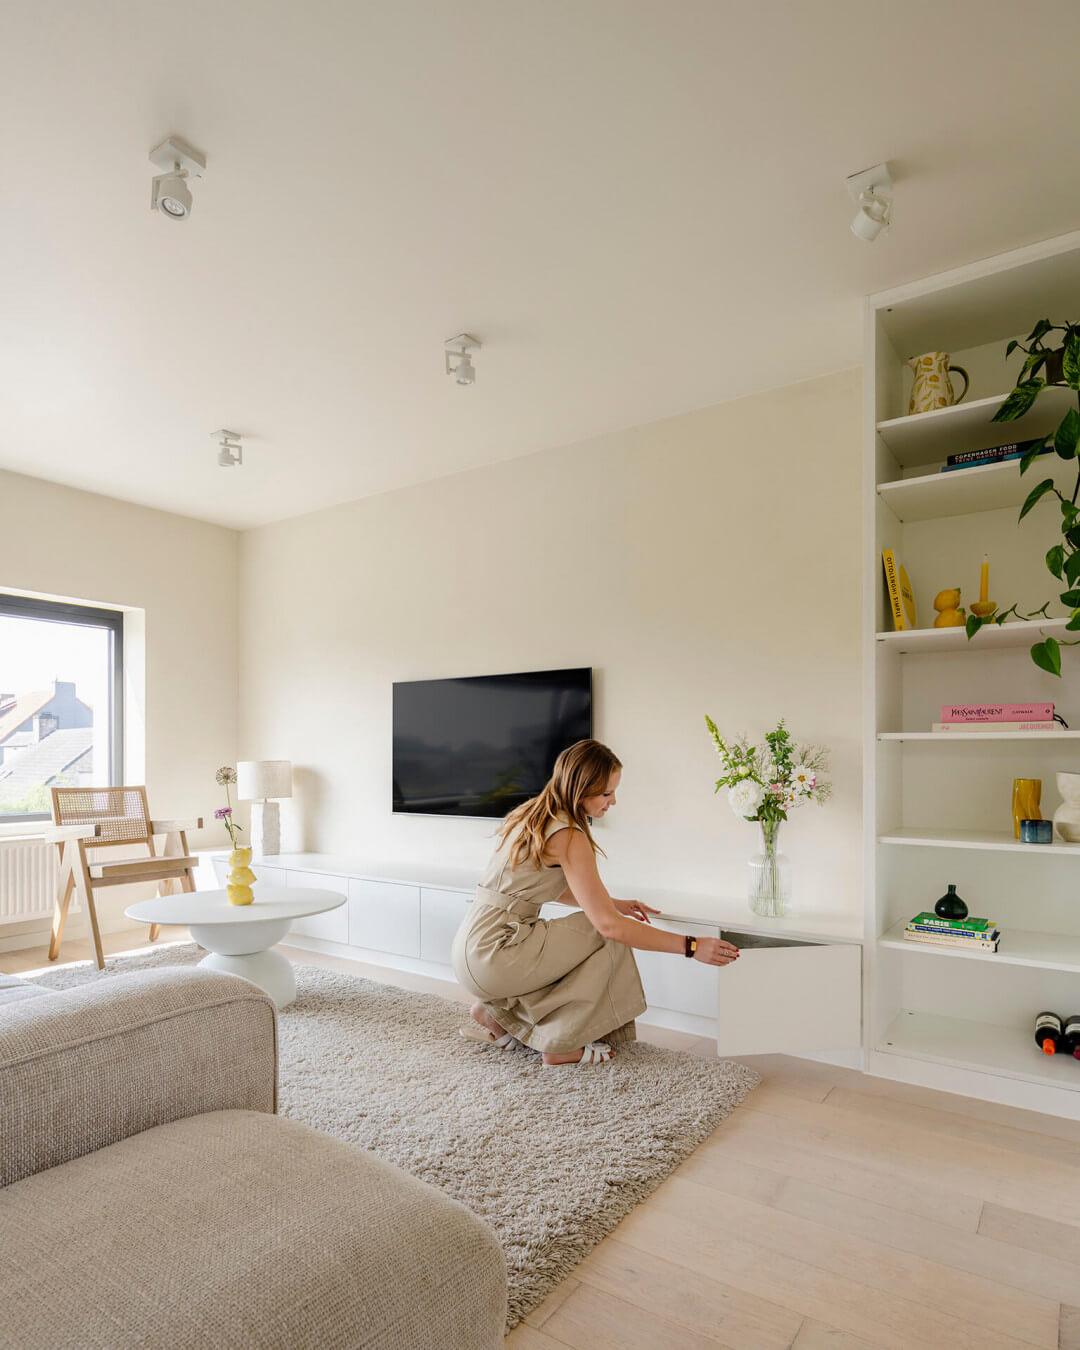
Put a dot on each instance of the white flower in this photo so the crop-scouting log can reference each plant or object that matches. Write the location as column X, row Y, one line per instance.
column 745, row 797
column 803, row 778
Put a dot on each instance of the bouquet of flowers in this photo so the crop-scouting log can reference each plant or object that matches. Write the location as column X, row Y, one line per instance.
column 765, row 782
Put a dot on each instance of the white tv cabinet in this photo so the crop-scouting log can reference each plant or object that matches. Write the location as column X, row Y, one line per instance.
column 795, row 989
column 937, row 807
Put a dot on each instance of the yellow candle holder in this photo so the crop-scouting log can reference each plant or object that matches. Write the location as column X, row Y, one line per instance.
column 983, row 609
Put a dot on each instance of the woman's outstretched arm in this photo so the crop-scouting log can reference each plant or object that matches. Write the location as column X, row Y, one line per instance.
column 573, row 851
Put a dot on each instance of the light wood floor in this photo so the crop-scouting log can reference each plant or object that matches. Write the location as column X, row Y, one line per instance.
column 831, row 1211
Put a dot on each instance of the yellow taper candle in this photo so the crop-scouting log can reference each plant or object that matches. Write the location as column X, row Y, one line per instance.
column 984, row 581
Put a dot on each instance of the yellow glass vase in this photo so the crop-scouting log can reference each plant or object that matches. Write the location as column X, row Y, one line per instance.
column 1025, row 801
column 240, row 877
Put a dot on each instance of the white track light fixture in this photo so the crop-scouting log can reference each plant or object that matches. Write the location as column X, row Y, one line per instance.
column 169, row 191
column 872, row 189
column 230, row 451
column 462, row 369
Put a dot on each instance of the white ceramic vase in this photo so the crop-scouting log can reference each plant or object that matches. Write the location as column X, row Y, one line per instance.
column 1067, row 816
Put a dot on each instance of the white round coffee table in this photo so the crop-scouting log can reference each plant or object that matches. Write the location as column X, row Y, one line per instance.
column 239, row 937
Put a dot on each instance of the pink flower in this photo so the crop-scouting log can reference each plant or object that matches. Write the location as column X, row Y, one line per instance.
column 223, row 813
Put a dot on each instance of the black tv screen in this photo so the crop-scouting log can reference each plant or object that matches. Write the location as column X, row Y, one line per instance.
column 481, row 745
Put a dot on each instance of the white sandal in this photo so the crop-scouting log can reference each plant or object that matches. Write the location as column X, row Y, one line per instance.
column 596, row 1052
column 479, row 1035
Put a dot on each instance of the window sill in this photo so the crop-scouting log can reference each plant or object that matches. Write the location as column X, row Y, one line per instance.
column 30, row 829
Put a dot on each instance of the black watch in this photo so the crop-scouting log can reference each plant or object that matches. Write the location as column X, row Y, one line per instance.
column 691, row 945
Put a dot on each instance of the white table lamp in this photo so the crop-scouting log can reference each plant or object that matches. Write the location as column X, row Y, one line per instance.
column 260, row 781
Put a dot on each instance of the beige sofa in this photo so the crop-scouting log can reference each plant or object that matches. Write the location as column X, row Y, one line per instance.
column 151, row 1197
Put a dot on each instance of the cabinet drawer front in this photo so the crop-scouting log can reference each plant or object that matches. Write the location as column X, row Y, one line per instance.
column 786, row 999
column 333, row 926
column 673, row 982
column 441, row 913
column 385, row 917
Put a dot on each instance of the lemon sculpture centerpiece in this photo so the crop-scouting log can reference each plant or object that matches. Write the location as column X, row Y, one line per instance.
column 238, row 887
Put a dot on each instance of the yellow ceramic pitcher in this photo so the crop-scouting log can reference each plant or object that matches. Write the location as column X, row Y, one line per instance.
column 931, row 387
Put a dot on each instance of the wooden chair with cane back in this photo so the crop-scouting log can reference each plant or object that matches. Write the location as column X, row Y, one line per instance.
column 88, row 819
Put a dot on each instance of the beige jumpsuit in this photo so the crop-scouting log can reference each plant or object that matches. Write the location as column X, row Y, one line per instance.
column 556, row 984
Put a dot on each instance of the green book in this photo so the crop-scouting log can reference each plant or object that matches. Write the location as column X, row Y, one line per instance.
column 931, row 920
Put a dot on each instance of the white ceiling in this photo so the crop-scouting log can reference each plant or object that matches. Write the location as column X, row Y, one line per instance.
column 638, row 205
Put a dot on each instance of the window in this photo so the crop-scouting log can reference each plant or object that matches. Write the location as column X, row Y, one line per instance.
column 61, row 702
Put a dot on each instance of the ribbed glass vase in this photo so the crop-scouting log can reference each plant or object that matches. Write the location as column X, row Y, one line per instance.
column 770, row 874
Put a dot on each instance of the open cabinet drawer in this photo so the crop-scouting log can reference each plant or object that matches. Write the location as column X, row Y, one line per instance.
column 784, row 997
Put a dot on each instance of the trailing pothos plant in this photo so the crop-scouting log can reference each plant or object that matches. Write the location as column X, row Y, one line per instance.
column 1045, row 366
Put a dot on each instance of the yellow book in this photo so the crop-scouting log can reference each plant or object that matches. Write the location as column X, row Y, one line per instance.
column 901, row 596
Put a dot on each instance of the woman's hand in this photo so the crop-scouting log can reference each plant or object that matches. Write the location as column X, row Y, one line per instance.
column 634, row 909
column 715, row 952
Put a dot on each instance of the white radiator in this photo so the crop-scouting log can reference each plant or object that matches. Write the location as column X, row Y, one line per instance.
column 27, row 878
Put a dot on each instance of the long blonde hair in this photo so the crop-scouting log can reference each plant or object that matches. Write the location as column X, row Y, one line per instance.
column 582, row 770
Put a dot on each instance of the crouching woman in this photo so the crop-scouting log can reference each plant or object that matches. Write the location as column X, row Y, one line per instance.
column 567, row 987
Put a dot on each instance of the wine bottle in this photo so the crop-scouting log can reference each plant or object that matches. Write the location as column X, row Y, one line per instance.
column 1049, row 1033
column 1071, row 1033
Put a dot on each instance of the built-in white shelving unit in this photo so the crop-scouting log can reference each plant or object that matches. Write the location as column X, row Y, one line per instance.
column 937, row 805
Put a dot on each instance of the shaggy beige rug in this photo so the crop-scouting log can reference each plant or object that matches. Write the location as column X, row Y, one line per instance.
column 551, row 1158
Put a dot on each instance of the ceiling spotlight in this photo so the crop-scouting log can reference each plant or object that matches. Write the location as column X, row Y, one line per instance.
column 872, row 190
column 462, row 369
column 169, row 191
column 230, row 451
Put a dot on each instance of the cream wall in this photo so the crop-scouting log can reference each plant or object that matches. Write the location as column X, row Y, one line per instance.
column 706, row 563
column 181, row 573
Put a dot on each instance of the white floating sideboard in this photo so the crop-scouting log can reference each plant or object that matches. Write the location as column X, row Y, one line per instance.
column 796, row 988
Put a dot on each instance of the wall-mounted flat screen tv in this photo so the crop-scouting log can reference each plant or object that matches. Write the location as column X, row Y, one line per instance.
column 481, row 745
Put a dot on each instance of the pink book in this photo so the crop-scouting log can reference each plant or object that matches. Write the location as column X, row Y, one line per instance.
column 997, row 712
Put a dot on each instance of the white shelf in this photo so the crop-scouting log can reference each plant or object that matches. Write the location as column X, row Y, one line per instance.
column 990, row 487
column 951, row 737
column 1000, row 840
column 929, row 437
column 1017, row 947
column 982, row 1046
column 1014, row 633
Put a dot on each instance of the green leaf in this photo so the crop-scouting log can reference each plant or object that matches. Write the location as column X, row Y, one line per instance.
column 1040, row 330
column 1072, row 536
column 1030, row 456
column 1019, row 401
column 1055, row 560
column 1073, row 625
column 1047, row 656
column 1032, row 362
column 1072, row 568
column 1011, row 348
column 1070, row 598
column 1047, row 485
column 972, row 626
column 1067, row 435
column 1071, row 360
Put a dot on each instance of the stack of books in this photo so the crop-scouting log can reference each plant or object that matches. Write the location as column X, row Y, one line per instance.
column 979, row 935
column 997, row 454
column 996, row 717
